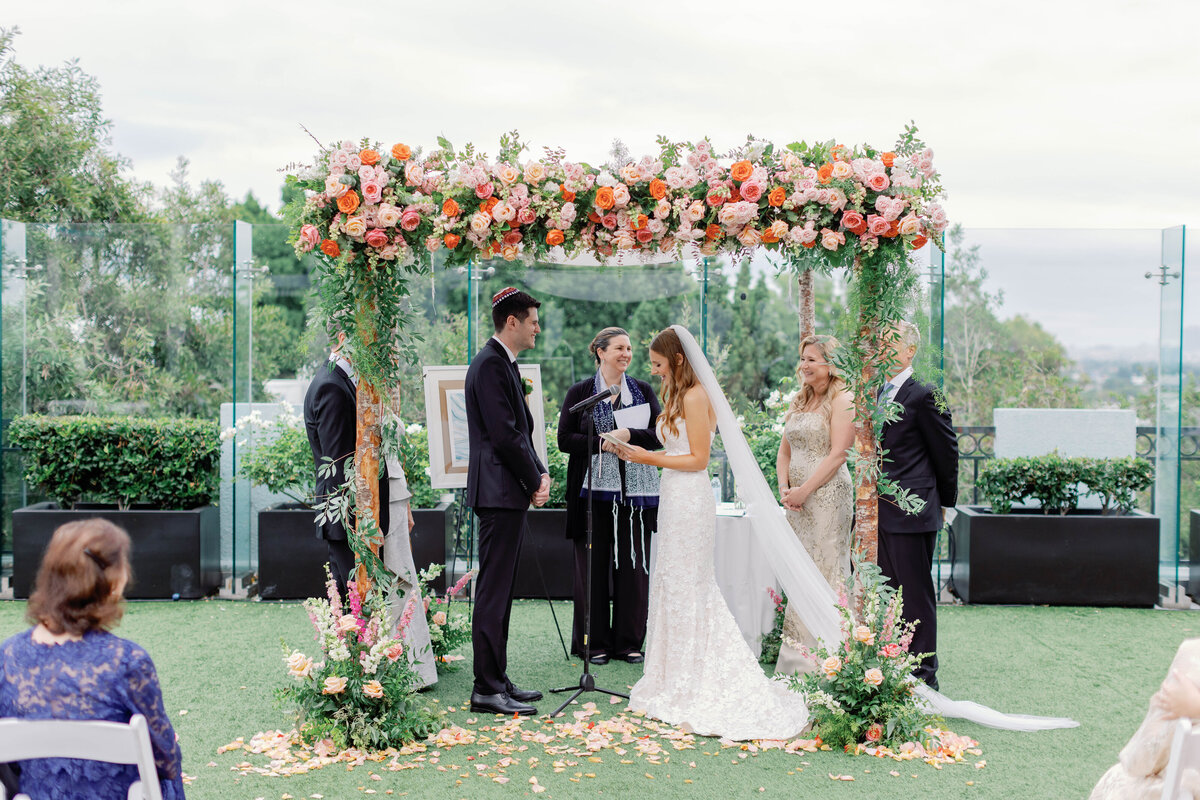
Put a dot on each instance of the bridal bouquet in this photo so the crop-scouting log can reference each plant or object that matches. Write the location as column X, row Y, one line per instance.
column 362, row 693
column 862, row 689
column 448, row 629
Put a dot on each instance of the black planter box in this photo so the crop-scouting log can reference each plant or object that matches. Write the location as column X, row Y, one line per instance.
column 174, row 553
column 546, row 545
column 1081, row 559
column 1193, row 585
column 292, row 558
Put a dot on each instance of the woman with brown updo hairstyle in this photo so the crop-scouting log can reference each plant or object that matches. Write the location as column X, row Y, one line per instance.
column 69, row 666
column 814, row 483
column 624, row 502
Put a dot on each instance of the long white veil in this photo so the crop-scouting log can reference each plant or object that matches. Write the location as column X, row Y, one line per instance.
column 808, row 593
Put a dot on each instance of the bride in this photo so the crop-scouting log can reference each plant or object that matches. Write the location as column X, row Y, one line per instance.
column 699, row 673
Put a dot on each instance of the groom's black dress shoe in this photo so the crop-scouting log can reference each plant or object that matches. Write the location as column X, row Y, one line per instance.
column 599, row 659
column 524, row 695
column 499, row 704
column 633, row 658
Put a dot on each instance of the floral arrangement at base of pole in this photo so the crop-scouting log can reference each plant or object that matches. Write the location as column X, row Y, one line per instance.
column 861, row 692
column 773, row 640
column 448, row 629
column 363, row 692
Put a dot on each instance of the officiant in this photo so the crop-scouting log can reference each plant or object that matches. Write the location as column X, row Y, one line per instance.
column 624, row 502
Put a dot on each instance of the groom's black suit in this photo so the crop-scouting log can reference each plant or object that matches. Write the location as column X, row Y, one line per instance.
column 330, row 422
column 503, row 474
column 921, row 454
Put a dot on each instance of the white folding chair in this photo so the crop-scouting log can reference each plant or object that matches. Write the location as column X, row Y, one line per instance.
column 114, row 742
column 1185, row 754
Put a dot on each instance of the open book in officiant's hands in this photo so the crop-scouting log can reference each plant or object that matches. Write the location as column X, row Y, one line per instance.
column 613, row 440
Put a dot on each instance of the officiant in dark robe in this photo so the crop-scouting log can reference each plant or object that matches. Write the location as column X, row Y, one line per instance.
column 625, row 502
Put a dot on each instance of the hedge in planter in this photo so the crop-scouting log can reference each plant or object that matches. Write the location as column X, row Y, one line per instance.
column 154, row 477
column 1057, row 554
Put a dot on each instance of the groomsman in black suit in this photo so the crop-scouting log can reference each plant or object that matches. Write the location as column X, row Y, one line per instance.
column 504, row 475
column 921, row 455
column 330, row 420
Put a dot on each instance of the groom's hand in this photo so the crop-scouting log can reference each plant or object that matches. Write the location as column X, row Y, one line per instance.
column 542, row 495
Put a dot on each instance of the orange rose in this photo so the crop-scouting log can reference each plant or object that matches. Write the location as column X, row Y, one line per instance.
column 593, row 216
column 769, row 237
column 777, row 196
column 825, row 173
column 638, row 222
column 330, row 248
column 741, row 170
column 451, row 240
column 348, row 202
column 568, row 196
column 450, row 208
column 401, row 152
column 489, row 204
column 604, row 197
column 839, row 152
column 554, row 237
column 893, row 230
column 888, row 159
column 918, row 242
column 369, row 157
column 713, row 232
column 809, row 245
column 658, row 189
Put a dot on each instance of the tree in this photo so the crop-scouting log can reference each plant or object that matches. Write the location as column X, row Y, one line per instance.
column 56, row 162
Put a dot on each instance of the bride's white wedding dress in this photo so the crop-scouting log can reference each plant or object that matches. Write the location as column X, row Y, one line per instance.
column 699, row 674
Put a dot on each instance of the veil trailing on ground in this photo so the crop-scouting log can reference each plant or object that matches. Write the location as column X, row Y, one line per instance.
column 808, row 593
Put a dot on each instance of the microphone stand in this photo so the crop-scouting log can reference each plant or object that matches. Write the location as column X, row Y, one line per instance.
column 587, row 682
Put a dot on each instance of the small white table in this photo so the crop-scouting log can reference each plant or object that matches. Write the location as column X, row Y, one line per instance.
column 744, row 573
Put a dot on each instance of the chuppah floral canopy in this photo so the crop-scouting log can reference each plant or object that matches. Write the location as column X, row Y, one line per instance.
column 373, row 215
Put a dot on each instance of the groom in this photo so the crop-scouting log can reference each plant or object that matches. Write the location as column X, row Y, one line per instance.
column 921, row 454
column 504, row 475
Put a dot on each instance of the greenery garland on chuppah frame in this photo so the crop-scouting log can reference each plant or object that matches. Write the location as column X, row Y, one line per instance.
column 375, row 215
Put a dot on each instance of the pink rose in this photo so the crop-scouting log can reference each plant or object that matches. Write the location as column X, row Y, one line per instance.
column 609, row 221
column 853, row 221
column 877, row 225
column 891, row 650
column 433, row 242
column 377, row 238
column 645, row 235
column 372, row 191
column 877, row 182
column 395, row 651
column 874, row 733
column 567, row 213
column 751, row 191
column 484, row 190
column 409, row 220
column 526, row 215
column 309, row 236
column 334, row 188
column 832, row 240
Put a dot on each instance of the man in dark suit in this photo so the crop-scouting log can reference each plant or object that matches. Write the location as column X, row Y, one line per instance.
column 921, row 455
column 330, row 421
column 504, row 475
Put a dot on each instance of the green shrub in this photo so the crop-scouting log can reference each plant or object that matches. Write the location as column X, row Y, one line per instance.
column 163, row 463
column 1057, row 482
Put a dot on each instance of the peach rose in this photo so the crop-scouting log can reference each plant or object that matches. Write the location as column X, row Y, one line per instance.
column 891, row 650
column 695, row 212
column 873, row 676
column 909, row 225
column 387, row 215
column 433, row 243
column 335, row 188
column 439, row 618
column 333, row 685
column 831, row 666
column 535, row 172
column 373, row 689
column 854, row 222
column 620, row 194
column 779, row 229
column 832, row 240
column 874, row 733
column 346, row 623
column 507, row 173
column 749, row 237
column 864, row 634
column 480, row 222
column 841, row 170
column 554, row 237
column 377, row 238
column 395, row 651
column 509, row 252
column 355, row 226
column 413, row 174
column 401, row 152
column 299, row 665
column 503, row 212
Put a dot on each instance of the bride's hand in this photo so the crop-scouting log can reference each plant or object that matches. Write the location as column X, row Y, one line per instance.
column 1178, row 697
column 631, row 452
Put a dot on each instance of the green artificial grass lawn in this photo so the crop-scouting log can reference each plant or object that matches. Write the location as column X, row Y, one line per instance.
column 220, row 661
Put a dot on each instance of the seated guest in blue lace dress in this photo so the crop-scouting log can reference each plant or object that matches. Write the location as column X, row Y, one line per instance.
column 69, row 666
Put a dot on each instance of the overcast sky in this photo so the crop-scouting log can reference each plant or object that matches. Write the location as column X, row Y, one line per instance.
column 1041, row 113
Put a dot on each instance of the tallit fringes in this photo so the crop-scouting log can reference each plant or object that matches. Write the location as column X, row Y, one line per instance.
column 616, row 539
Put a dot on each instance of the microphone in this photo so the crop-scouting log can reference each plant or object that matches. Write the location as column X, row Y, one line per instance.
column 584, row 405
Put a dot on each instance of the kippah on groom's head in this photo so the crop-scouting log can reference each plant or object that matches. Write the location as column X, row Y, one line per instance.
column 511, row 302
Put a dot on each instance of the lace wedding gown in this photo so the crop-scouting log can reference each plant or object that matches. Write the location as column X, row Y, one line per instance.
column 699, row 673
column 823, row 525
